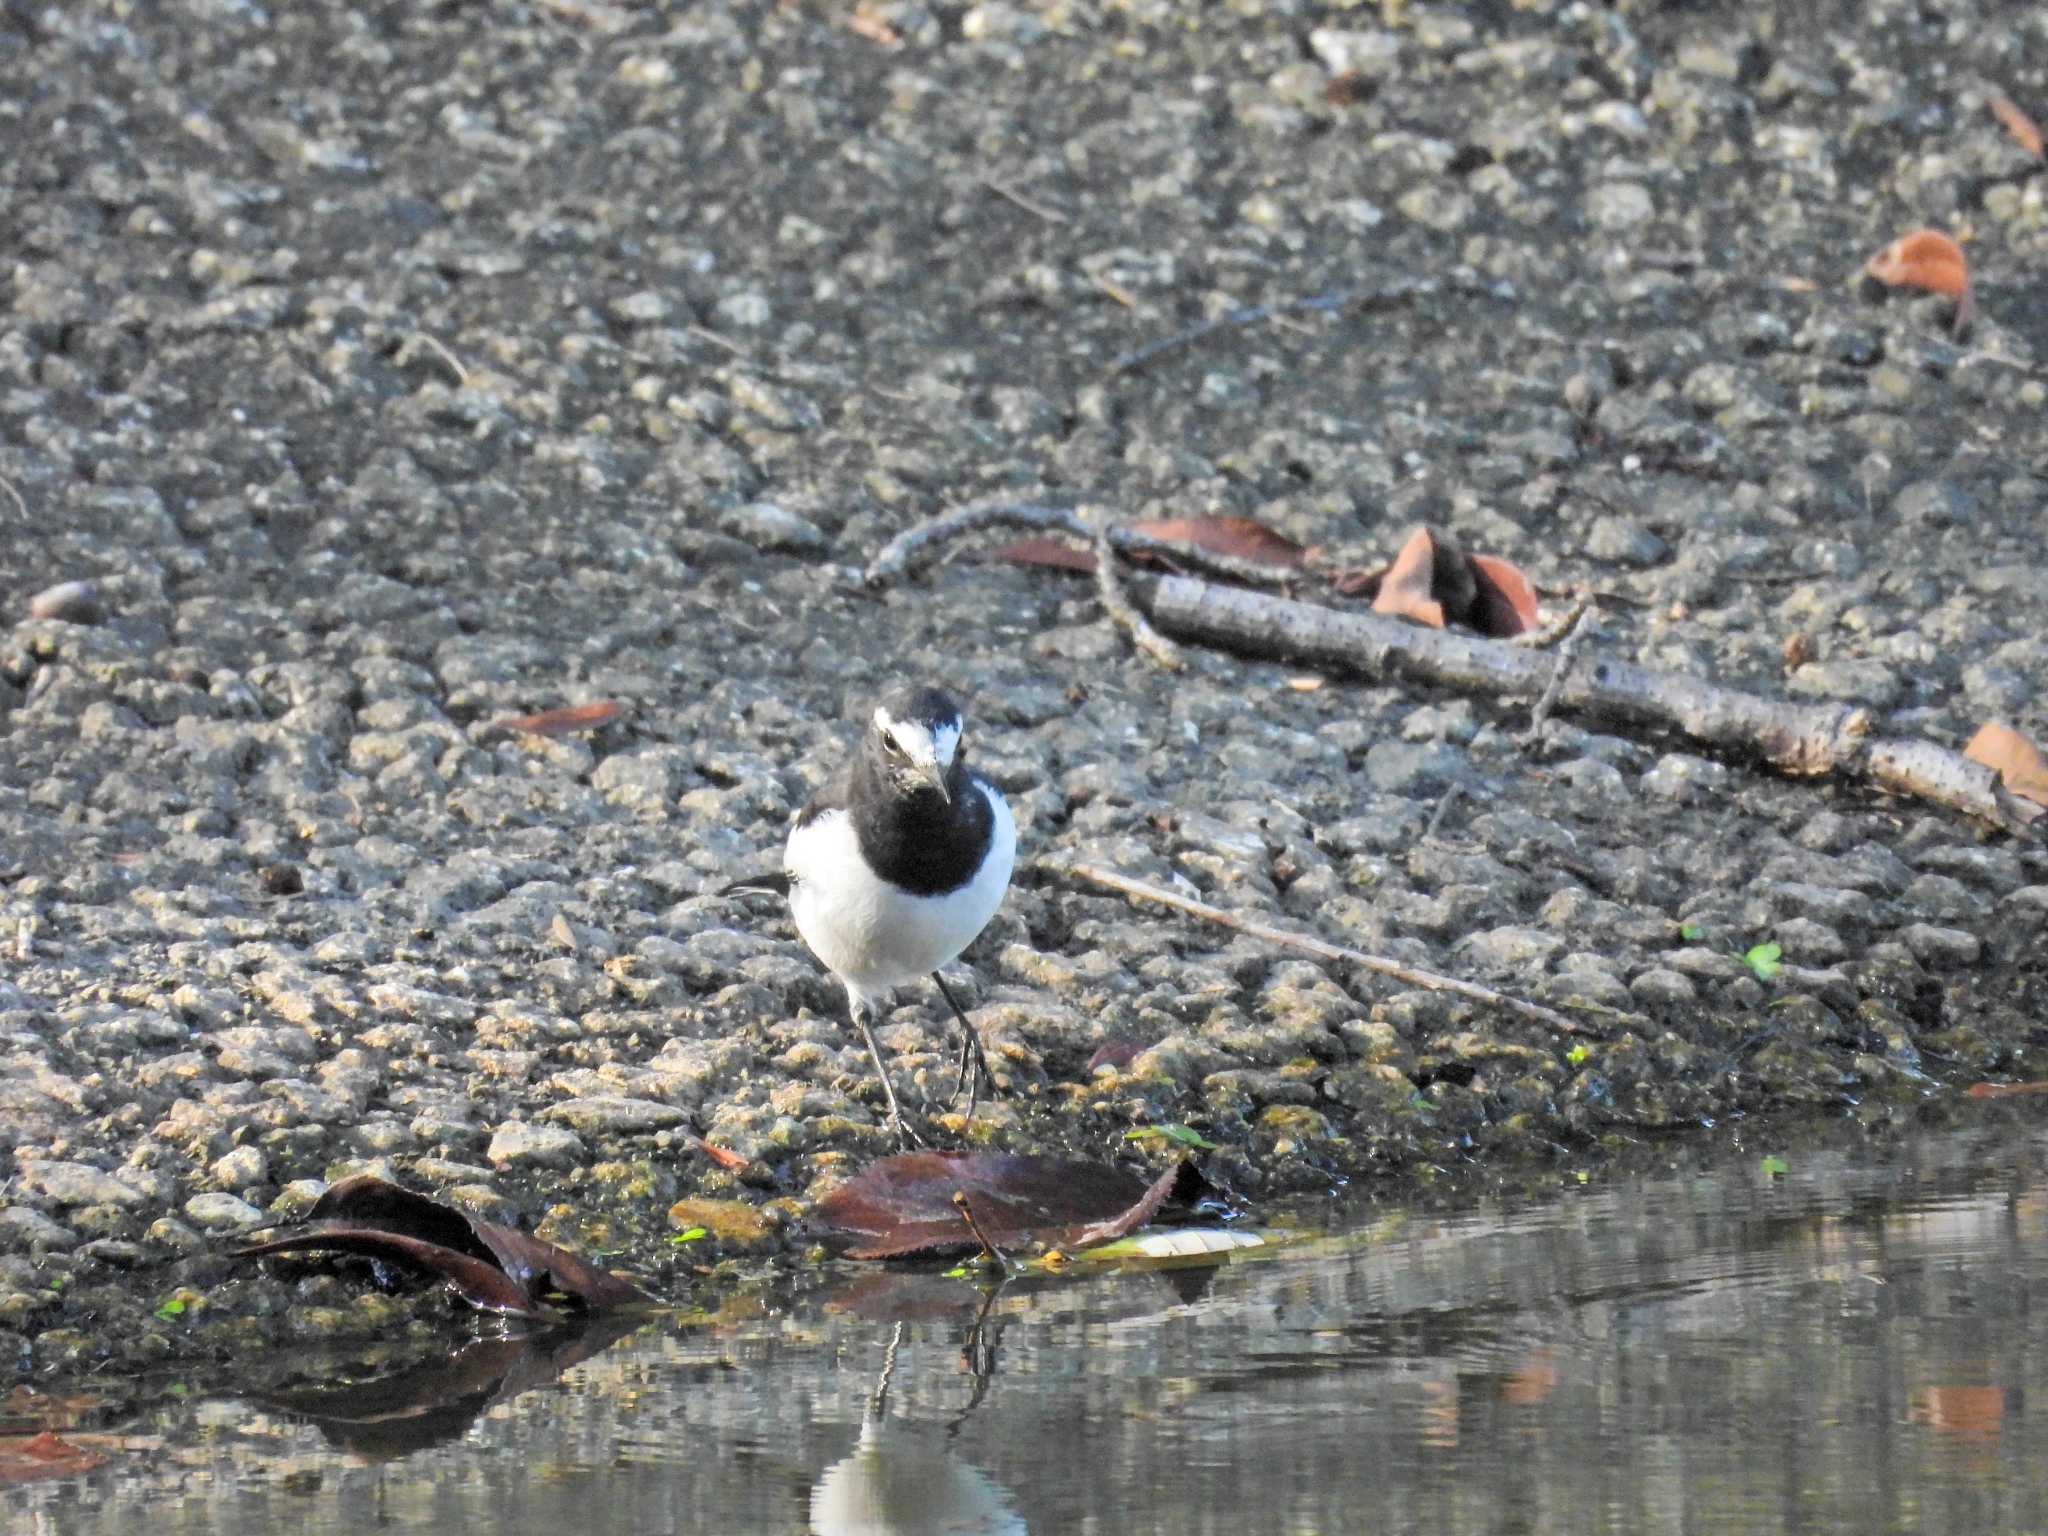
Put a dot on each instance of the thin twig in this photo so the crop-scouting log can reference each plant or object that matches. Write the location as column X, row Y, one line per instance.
column 7, row 485
column 1549, row 633
column 915, row 547
column 1116, row 602
column 434, row 345
column 1429, row 980
column 1199, row 557
column 1443, row 809
column 1116, row 290
column 705, row 333
column 1561, row 668
column 1011, row 195
column 994, row 1254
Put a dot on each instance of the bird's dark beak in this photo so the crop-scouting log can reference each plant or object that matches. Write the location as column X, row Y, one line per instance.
column 935, row 775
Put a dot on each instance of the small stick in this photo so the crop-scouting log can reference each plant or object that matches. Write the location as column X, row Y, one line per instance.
column 994, row 1254
column 1012, row 195
column 20, row 506
column 915, row 547
column 704, row 333
column 1563, row 627
column 1429, row 980
column 1546, row 701
column 1116, row 602
column 1199, row 557
column 1116, row 290
column 1443, row 809
column 434, row 345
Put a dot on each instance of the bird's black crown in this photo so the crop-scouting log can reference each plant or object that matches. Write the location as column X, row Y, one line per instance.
column 924, row 705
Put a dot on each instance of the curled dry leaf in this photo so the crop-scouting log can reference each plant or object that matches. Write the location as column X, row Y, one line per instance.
column 1927, row 259
column 1436, row 583
column 2003, row 1090
column 1506, row 600
column 2018, row 762
column 491, row 1266
column 907, row 1204
column 2024, row 130
column 564, row 721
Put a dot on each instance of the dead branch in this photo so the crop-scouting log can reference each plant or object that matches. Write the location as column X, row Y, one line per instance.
column 1798, row 739
column 1323, row 949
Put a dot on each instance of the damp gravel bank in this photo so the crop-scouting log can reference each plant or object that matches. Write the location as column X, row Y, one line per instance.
column 391, row 371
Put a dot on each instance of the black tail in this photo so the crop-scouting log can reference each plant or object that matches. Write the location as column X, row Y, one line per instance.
column 776, row 884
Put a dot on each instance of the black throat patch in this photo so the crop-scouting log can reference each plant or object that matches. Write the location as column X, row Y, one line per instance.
column 916, row 841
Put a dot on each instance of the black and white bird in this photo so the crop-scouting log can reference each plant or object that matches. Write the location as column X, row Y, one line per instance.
column 896, row 865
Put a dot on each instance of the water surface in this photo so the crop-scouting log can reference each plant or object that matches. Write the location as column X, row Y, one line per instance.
column 1848, row 1346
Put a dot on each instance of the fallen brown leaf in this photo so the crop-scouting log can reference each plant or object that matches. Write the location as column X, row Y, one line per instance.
column 491, row 1266
column 2003, row 1090
column 1505, row 603
column 1053, row 553
column 1927, row 259
column 906, row 1204
column 1243, row 538
column 1408, row 587
column 1436, row 583
column 2024, row 130
column 2017, row 761
column 564, row 721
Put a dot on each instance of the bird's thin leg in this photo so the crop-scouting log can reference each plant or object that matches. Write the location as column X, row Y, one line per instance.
column 970, row 1049
column 901, row 1126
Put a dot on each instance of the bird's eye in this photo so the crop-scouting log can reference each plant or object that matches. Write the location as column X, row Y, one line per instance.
column 891, row 746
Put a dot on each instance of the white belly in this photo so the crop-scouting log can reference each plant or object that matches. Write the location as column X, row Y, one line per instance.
column 873, row 936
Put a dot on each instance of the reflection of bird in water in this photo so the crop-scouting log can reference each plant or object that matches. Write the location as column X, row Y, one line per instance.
column 901, row 1480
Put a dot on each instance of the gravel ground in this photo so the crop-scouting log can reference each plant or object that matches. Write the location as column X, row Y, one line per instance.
column 391, row 369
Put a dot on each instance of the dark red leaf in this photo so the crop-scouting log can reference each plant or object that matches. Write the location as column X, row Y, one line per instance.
column 905, row 1204
column 492, row 1266
column 1240, row 537
column 1504, row 603
column 479, row 1282
column 1047, row 552
column 564, row 721
column 1434, row 582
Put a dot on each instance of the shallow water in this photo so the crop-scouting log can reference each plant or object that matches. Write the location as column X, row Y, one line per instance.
column 1847, row 1346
